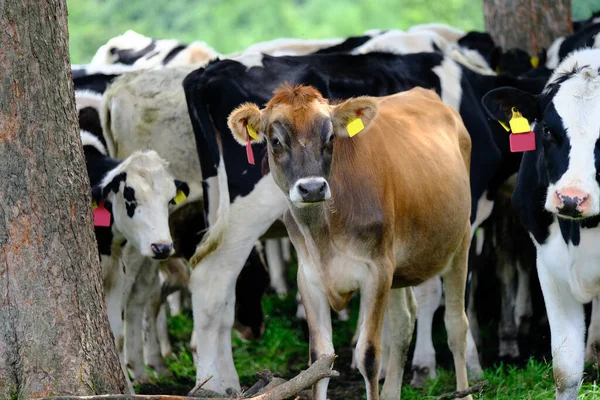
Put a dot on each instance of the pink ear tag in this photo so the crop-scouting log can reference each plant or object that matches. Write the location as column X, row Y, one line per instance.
column 522, row 138
column 249, row 152
column 101, row 215
column 520, row 142
column 250, row 134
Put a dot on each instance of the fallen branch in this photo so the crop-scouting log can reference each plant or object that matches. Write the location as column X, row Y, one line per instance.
column 133, row 397
column 478, row 387
column 264, row 378
column 268, row 387
column 322, row 368
column 192, row 392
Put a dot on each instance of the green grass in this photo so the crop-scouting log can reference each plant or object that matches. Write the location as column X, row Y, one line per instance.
column 284, row 351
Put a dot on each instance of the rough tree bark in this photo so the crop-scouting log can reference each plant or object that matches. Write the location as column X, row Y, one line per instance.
column 531, row 25
column 54, row 333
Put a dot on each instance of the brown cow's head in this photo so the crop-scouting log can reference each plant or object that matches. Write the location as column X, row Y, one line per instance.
column 300, row 127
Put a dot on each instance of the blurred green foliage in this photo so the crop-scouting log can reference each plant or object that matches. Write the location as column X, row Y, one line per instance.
column 232, row 25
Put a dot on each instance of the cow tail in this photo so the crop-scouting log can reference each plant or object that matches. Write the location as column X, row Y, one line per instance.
column 210, row 155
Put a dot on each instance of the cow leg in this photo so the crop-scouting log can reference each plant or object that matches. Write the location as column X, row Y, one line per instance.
column 318, row 315
column 212, row 295
column 355, row 336
column 274, row 255
column 386, row 342
column 215, row 272
column 174, row 300
column 428, row 295
column 567, row 331
column 114, row 286
column 402, row 312
column 286, row 249
column 134, row 316
column 592, row 348
column 163, row 332
column 523, row 305
column 473, row 336
column 507, row 329
column 226, row 365
column 455, row 317
column 153, row 354
column 375, row 291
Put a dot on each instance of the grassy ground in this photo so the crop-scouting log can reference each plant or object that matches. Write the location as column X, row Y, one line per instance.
column 284, row 351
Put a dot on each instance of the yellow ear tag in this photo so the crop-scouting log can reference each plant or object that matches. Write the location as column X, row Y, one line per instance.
column 535, row 61
column 504, row 126
column 252, row 132
column 179, row 197
column 518, row 123
column 94, row 205
column 355, row 126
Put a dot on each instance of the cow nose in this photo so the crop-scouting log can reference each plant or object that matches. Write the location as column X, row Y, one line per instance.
column 161, row 250
column 572, row 202
column 312, row 190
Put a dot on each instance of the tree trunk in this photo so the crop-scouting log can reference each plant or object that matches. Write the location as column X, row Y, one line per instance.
column 54, row 333
column 531, row 25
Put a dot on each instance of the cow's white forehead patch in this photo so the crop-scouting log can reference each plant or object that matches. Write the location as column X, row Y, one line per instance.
column 145, row 170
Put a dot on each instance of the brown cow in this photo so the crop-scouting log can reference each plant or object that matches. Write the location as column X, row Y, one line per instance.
column 387, row 208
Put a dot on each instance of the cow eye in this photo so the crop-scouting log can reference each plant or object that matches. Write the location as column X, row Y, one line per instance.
column 275, row 143
column 548, row 135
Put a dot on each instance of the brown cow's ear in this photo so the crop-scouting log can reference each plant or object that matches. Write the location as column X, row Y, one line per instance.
column 353, row 116
column 246, row 120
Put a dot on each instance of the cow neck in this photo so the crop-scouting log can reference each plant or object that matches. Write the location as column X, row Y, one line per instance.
column 312, row 220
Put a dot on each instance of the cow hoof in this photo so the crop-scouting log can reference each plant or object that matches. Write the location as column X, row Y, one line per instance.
column 508, row 349
column 475, row 372
column 592, row 355
column 420, row 376
column 343, row 315
column 160, row 370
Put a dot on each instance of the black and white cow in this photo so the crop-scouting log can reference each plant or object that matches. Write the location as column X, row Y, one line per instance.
column 558, row 200
column 593, row 19
column 136, row 192
column 214, row 91
column 139, row 51
column 147, row 110
column 587, row 36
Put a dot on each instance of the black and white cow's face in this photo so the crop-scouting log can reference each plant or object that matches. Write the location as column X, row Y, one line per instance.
column 567, row 117
column 124, row 49
column 139, row 192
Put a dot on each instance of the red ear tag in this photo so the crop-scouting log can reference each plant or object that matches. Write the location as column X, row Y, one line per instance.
column 520, row 142
column 522, row 138
column 101, row 215
column 249, row 152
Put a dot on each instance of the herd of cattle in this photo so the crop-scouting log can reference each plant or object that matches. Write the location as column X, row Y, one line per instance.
column 381, row 157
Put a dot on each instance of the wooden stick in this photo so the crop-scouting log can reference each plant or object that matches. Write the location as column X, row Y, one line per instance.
column 264, row 378
column 133, row 397
column 192, row 392
column 479, row 387
column 322, row 368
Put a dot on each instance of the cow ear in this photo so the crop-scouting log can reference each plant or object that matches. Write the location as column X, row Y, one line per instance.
column 246, row 121
column 182, row 192
column 97, row 193
column 353, row 116
column 102, row 190
column 499, row 103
